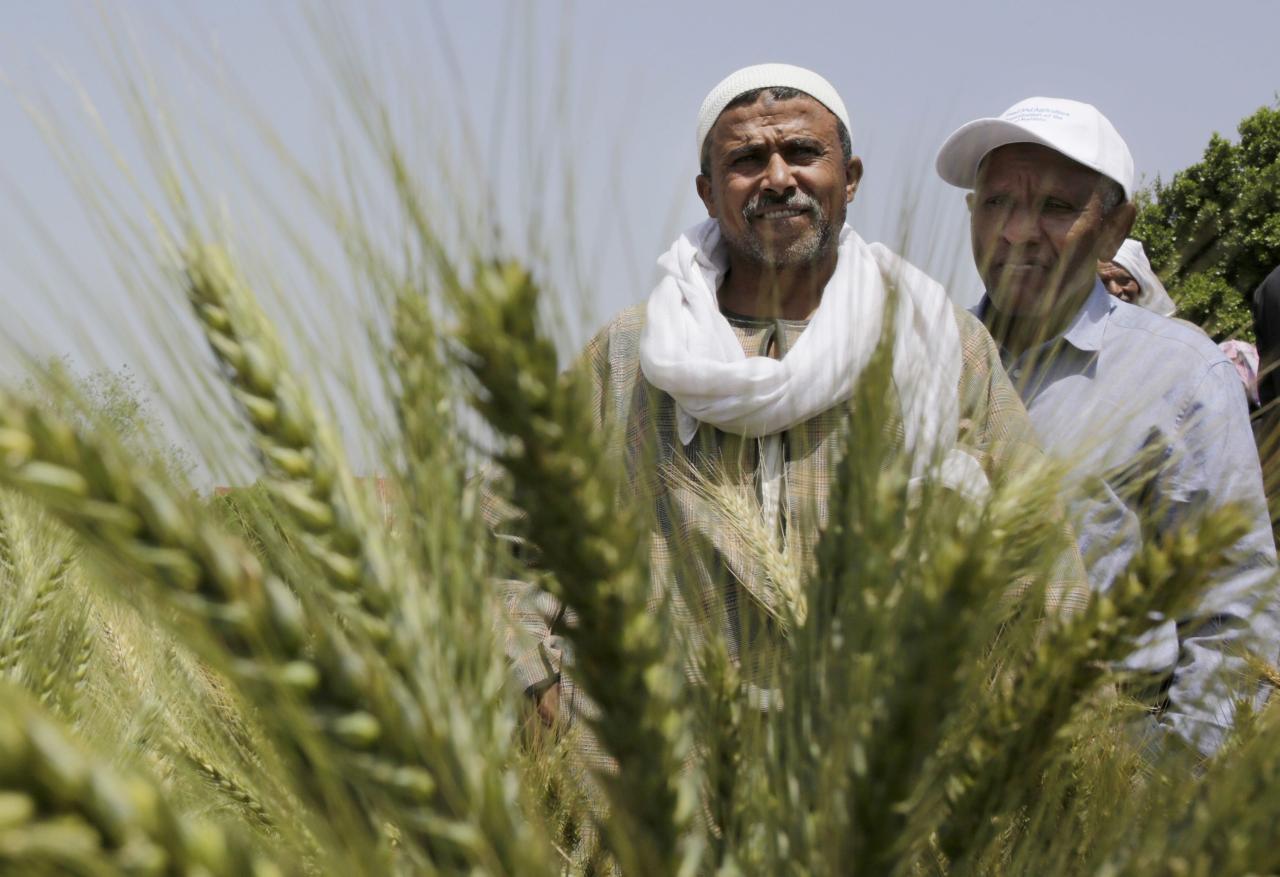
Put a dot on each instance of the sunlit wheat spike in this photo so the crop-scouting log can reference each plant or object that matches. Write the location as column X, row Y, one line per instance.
column 7, row 547
column 227, row 785
column 432, row 474
column 46, row 592
column 775, row 582
column 307, row 472
column 63, row 808
column 425, row 394
column 1267, row 671
column 85, row 654
column 593, row 545
column 60, row 673
column 445, row 540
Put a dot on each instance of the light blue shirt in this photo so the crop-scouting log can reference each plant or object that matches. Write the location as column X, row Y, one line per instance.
column 1128, row 395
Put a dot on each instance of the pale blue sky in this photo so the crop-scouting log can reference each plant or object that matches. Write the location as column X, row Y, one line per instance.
column 1168, row 73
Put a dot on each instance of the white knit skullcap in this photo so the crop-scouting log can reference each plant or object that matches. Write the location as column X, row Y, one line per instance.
column 767, row 76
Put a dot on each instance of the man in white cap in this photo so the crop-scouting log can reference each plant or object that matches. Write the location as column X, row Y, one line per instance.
column 1147, row 410
column 740, row 368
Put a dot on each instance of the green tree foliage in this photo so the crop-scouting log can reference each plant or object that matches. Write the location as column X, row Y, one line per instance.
column 1213, row 231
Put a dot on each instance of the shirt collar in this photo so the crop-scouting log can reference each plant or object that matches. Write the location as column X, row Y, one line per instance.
column 1089, row 324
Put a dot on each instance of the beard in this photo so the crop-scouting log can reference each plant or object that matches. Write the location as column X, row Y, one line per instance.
column 806, row 249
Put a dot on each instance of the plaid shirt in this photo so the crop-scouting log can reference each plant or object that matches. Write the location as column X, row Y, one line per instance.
column 642, row 423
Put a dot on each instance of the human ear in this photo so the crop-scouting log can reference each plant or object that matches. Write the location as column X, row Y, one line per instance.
column 703, row 185
column 853, row 176
column 969, row 198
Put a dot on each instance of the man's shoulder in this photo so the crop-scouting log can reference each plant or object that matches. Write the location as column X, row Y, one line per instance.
column 613, row 353
column 978, row 348
column 967, row 320
column 619, row 339
column 625, row 324
column 1168, row 341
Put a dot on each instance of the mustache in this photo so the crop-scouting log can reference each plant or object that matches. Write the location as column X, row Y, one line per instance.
column 797, row 200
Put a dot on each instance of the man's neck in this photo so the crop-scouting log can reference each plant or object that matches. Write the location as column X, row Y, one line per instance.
column 788, row 293
column 1018, row 333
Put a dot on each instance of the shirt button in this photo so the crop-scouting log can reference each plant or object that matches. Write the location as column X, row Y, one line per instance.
column 1015, row 373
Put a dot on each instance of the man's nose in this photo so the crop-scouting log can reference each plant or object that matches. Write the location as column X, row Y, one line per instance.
column 1022, row 226
column 777, row 174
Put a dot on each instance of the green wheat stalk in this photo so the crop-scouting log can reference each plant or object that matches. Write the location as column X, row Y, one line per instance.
column 592, row 544
column 307, row 473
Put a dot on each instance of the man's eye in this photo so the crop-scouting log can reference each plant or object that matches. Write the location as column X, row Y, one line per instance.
column 1053, row 205
column 996, row 201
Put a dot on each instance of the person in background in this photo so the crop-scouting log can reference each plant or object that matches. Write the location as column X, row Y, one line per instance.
column 1266, row 330
column 1266, row 425
column 1129, row 277
column 1145, row 410
column 1244, row 356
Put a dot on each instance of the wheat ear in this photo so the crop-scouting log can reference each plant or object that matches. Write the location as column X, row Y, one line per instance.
column 777, row 587
column 307, row 473
column 8, row 552
column 46, row 591
column 61, row 808
column 1019, row 726
column 593, row 544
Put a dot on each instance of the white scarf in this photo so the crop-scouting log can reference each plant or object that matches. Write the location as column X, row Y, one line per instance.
column 689, row 350
column 1151, row 292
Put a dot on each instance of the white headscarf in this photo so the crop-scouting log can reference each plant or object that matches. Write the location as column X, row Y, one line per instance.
column 1152, row 295
column 689, row 350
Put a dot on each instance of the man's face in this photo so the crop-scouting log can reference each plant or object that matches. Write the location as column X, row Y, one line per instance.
column 779, row 185
column 1039, row 229
column 1119, row 282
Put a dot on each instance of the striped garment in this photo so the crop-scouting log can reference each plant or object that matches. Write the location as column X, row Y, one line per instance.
column 641, row 419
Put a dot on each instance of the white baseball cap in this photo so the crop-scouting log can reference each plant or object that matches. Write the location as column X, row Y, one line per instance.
column 747, row 79
column 1074, row 129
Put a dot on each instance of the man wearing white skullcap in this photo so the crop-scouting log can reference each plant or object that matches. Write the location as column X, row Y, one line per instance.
column 1146, row 410
column 743, row 361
